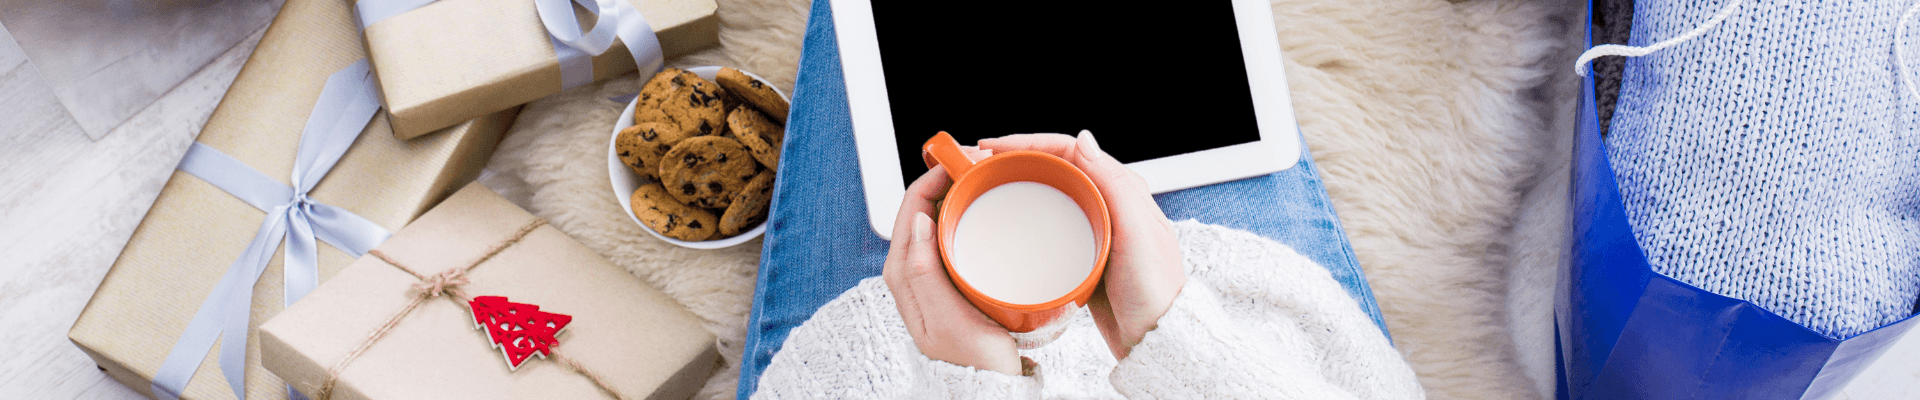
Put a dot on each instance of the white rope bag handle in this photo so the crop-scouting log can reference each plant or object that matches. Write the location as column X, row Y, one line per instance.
column 1580, row 66
column 1900, row 49
column 1899, row 44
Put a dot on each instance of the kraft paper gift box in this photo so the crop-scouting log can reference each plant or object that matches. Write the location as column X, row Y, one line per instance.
column 450, row 61
column 641, row 342
column 195, row 231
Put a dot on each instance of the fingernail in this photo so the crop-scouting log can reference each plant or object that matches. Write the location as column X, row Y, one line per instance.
column 1086, row 140
column 922, row 227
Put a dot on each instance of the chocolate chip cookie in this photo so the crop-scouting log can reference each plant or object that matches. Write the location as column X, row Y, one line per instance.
column 641, row 146
column 749, row 206
column 754, row 92
column 705, row 171
column 669, row 217
column 694, row 106
column 761, row 136
column 700, row 108
column 661, row 85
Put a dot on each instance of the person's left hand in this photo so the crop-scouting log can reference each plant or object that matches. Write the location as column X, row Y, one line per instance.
column 944, row 325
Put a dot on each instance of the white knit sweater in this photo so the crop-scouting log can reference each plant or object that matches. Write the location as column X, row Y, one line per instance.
column 1255, row 320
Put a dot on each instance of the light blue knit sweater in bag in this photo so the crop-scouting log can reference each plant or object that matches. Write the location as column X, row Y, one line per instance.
column 1773, row 158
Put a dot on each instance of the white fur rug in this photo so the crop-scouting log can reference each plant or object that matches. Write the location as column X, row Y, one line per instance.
column 1437, row 126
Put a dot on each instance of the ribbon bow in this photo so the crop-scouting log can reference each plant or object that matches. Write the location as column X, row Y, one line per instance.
column 346, row 103
column 616, row 18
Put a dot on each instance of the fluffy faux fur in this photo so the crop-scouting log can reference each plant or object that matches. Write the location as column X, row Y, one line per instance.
column 1425, row 120
column 1538, row 239
column 1433, row 123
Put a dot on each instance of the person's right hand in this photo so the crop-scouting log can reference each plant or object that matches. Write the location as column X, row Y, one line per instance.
column 1144, row 271
column 944, row 326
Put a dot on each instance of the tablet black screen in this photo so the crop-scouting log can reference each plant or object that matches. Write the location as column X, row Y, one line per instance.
column 1149, row 81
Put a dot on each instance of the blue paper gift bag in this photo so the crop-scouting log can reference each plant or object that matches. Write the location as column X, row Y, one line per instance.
column 1626, row 332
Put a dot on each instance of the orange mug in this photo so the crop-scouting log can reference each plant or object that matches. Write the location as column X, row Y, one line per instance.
column 971, row 179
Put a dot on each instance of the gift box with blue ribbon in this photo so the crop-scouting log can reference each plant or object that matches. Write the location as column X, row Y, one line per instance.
column 443, row 62
column 294, row 176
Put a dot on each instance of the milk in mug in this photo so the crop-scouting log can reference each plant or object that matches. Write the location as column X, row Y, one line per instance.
column 1023, row 243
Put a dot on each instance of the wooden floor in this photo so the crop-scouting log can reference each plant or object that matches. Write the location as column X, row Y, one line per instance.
column 68, row 203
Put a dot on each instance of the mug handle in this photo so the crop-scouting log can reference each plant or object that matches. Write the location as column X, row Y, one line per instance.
column 946, row 151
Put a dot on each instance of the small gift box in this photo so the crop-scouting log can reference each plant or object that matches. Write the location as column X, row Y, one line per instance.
column 450, row 61
column 290, row 107
column 480, row 300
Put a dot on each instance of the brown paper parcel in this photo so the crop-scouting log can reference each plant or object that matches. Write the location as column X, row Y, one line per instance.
column 642, row 342
column 195, row 231
column 450, row 61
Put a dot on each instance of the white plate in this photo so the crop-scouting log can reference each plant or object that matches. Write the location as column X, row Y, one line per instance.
column 625, row 182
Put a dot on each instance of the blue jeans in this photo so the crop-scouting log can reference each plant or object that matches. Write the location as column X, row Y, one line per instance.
column 818, row 243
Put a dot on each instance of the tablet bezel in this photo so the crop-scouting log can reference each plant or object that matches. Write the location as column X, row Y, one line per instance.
column 884, row 187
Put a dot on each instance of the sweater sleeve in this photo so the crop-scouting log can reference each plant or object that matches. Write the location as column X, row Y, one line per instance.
column 1258, row 320
column 857, row 347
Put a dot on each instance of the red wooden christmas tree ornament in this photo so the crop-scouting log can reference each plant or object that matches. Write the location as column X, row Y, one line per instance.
column 520, row 331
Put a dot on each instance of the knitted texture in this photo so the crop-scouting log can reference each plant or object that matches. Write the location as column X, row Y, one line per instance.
column 1255, row 320
column 857, row 347
column 1770, row 160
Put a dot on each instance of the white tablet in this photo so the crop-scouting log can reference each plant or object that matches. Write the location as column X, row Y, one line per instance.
column 1187, row 94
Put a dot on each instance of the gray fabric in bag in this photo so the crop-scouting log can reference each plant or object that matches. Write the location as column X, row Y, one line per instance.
column 1774, row 158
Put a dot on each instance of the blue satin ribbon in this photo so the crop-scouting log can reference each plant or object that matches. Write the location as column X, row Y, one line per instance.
column 575, row 50
column 346, row 104
column 372, row 11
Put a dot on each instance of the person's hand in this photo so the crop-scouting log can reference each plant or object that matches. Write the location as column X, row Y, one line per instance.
column 943, row 324
column 1144, row 271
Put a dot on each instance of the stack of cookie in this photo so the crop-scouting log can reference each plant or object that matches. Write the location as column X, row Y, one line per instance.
column 709, row 151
